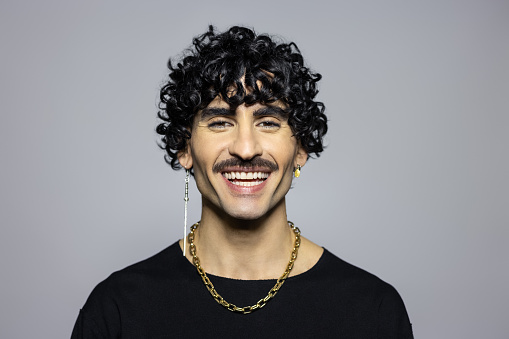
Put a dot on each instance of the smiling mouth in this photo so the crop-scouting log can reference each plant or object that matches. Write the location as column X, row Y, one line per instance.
column 246, row 179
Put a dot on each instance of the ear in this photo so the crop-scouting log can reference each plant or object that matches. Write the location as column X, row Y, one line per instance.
column 185, row 157
column 301, row 157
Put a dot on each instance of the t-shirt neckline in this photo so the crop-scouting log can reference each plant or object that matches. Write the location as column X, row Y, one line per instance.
column 178, row 251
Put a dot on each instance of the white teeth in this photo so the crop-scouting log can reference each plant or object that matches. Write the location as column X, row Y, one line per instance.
column 246, row 176
column 246, row 183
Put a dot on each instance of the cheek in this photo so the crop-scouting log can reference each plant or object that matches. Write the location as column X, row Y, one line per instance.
column 198, row 151
column 205, row 152
column 285, row 153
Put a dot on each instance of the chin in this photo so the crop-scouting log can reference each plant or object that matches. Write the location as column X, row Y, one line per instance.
column 248, row 213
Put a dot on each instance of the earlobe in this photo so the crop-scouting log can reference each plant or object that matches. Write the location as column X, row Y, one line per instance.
column 301, row 158
column 185, row 158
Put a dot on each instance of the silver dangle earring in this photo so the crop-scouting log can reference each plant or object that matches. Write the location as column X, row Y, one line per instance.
column 186, row 199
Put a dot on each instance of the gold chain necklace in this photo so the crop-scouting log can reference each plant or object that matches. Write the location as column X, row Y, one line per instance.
column 260, row 303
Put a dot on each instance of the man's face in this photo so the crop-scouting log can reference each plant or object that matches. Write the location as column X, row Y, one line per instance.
column 243, row 160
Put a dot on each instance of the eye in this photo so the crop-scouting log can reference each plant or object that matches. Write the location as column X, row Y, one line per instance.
column 269, row 124
column 219, row 124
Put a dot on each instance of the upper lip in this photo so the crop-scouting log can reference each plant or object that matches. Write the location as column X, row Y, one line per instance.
column 238, row 165
column 245, row 169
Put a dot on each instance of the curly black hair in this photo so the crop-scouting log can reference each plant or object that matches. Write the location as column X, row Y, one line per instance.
column 216, row 62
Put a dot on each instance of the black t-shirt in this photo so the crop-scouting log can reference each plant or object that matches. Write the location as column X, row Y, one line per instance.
column 164, row 297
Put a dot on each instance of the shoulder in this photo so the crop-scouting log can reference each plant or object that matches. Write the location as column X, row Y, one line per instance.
column 338, row 269
column 324, row 265
column 364, row 293
column 125, row 289
column 349, row 277
column 162, row 266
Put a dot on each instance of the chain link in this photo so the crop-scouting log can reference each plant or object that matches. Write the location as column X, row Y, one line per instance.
column 260, row 303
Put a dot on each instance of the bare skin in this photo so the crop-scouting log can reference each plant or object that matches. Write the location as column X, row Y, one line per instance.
column 244, row 232
column 261, row 252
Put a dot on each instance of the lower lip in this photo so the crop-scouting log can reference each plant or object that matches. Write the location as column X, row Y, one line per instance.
column 245, row 189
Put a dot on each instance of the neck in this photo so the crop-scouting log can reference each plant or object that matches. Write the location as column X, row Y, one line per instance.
column 244, row 249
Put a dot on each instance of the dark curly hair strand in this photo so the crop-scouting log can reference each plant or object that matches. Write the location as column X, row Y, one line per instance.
column 216, row 63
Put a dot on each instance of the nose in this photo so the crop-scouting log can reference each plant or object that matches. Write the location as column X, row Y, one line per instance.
column 245, row 143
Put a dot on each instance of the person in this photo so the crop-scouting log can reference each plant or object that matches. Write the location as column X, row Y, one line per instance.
column 238, row 113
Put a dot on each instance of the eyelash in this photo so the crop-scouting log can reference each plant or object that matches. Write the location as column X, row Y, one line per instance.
column 218, row 124
column 269, row 124
column 264, row 124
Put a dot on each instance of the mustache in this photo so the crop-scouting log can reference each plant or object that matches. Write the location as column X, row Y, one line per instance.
column 247, row 164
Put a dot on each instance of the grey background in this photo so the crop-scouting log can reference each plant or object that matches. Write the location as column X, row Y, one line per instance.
column 413, row 186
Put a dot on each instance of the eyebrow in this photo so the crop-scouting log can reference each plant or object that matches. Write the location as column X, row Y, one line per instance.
column 210, row 112
column 271, row 110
